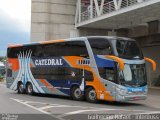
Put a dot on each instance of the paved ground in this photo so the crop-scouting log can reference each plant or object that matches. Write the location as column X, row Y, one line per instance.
column 48, row 106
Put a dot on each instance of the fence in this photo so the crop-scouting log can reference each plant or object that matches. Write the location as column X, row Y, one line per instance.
column 108, row 7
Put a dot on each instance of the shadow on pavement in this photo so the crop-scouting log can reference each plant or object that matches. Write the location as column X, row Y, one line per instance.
column 98, row 102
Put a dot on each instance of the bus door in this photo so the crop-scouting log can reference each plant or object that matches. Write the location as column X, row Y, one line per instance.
column 86, row 73
column 109, row 82
column 111, row 75
column 108, row 76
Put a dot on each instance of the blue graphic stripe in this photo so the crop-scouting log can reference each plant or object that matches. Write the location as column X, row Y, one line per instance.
column 104, row 62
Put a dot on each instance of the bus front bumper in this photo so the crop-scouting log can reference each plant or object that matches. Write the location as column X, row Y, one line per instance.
column 125, row 98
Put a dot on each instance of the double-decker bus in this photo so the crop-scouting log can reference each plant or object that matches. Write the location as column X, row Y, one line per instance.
column 94, row 68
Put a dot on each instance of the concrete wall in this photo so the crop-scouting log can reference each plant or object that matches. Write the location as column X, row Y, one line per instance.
column 92, row 32
column 152, row 52
column 148, row 37
column 52, row 19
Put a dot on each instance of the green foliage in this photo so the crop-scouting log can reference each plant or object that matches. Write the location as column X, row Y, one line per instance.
column 2, row 59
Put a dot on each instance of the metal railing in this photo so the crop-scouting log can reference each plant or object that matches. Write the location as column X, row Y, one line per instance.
column 108, row 7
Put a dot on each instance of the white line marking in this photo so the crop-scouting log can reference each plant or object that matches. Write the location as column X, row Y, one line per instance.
column 24, row 103
column 60, row 105
column 87, row 109
column 51, row 106
column 77, row 112
column 150, row 112
column 46, row 107
column 100, row 109
column 80, row 111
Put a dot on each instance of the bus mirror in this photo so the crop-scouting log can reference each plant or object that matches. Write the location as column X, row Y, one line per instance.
column 152, row 62
column 117, row 59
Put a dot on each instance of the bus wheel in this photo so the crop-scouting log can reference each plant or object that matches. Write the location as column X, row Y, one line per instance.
column 29, row 89
column 20, row 89
column 91, row 95
column 76, row 93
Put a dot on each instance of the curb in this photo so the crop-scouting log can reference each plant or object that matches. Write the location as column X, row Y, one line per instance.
column 157, row 88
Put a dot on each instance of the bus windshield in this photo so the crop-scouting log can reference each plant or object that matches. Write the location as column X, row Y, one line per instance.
column 128, row 49
column 133, row 75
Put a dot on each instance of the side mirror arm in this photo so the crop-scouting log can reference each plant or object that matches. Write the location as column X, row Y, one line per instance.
column 118, row 60
column 152, row 62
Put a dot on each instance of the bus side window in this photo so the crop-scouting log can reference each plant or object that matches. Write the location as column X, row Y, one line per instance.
column 77, row 48
column 110, row 74
column 69, row 48
column 38, row 51
column 12, row 52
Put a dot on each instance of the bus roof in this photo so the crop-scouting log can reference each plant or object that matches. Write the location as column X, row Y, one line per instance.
column 111, row 37
column 62, row 40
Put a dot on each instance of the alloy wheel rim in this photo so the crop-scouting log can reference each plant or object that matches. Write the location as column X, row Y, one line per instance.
column 21, row 88
column 92, row 94
column 77, row 93
column 30, row 89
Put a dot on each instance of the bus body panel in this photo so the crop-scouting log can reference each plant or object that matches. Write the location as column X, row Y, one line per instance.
column 131, row 93
column 25, row 68
column 60, row 87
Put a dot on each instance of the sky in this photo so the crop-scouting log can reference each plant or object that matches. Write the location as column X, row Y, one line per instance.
column 15, row 19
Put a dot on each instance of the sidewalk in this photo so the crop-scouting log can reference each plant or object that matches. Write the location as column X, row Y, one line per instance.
column 154, row 91
column 153, row 97
column 3, row 82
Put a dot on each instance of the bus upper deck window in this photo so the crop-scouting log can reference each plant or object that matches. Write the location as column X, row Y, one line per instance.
column 128, row 49
column 100, row 46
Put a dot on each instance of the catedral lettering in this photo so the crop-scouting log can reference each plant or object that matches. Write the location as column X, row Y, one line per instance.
column 40, row 62
column 95, row 68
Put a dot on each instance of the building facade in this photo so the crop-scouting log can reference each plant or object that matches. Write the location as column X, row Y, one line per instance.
column 139, row 19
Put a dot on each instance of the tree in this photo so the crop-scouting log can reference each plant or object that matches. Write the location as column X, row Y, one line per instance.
column 2, row 58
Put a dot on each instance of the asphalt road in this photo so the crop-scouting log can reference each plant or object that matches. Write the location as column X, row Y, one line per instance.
column 51, row 107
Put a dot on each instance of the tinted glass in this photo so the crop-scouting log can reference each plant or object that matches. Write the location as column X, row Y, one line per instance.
column 133, row 75
column 128, row 49
column 13, row 52
column 100, row 46
column 71, row 48
column 61, row 73
column 108, row 74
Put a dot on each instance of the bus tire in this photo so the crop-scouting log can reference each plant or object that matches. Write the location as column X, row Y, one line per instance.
column 76, row 93
column 91, row 95
column 29, row 89
column 20, row 89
